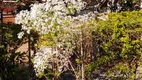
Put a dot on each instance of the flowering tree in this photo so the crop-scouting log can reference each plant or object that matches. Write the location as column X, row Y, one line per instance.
column 70, row 40
column 63, row 33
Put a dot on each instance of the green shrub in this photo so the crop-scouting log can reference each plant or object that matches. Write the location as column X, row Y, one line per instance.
column 9, row 69
column 119, row 39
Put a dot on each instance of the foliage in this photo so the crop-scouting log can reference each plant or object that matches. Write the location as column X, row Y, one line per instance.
column 9, row 36
column 70, row 40
column 118, row 41
column 9, row 42
column 60, row 32
column 113, row 5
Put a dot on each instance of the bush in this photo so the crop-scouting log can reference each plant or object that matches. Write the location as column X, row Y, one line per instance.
column 9, row 69
column 117, row 41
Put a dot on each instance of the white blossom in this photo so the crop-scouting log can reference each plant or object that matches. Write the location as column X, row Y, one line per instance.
column 42, row 59
column 54, row 16
column 46, row 56
column 20, row 34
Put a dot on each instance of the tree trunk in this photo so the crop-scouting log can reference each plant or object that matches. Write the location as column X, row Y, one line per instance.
column 82, row 57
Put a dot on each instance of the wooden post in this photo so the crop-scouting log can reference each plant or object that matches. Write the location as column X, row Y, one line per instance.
column 29, row 41
column 1, row 36
column 29, row 49
column 1, row 16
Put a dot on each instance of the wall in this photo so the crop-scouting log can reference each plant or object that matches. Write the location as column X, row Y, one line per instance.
column 9, row 18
